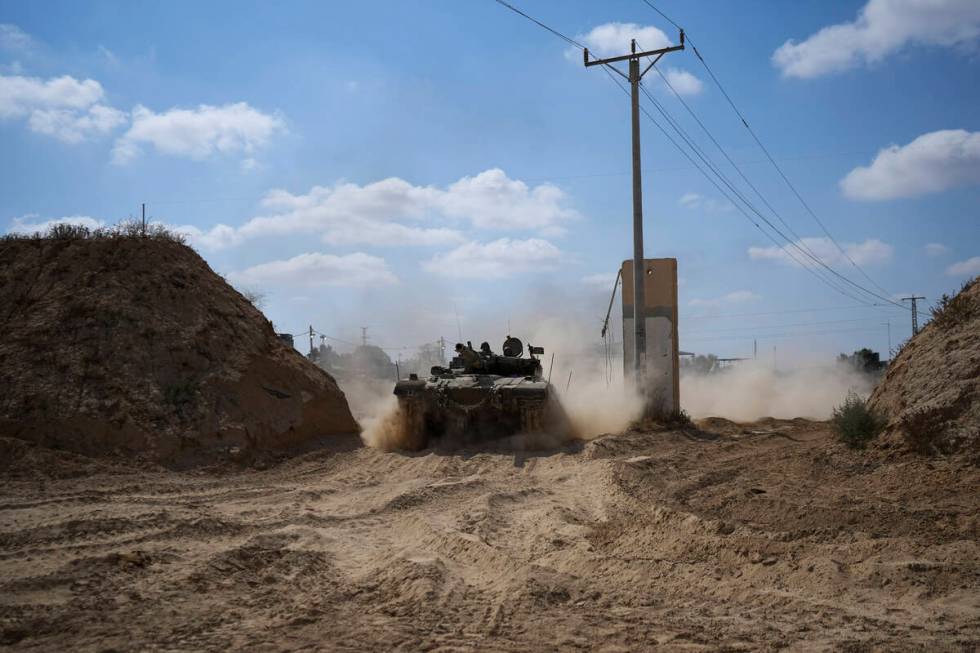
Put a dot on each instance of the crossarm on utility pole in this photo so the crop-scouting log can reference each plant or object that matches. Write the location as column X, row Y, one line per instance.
column 636, row 55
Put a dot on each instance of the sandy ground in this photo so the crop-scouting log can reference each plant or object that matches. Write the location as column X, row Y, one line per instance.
column 754, row 537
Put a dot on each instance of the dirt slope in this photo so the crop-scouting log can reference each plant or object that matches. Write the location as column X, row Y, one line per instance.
column 931, row 391
column 768, row 536
column 135, row 346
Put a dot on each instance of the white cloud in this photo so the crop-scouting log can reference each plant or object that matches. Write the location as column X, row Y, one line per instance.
column 613, row 39
column 935, row 249
column 492, row 200
column 19, row 96
column 694, row 201
column 931, row 163
column 881, row 28
column 870, row 252
column 198, row 133
column 217, row 237
column 684, row 82
column 690, row 200
column 14, row 38
column 495, row 260
column 75, row 127
column 63, row 107
column 393, row 212
column 29, row 224
column 316, row 269
column 968, row 268
column 735, row 297
column 601, row 281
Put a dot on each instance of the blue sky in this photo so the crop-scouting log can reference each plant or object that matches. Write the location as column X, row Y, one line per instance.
column 395, row 164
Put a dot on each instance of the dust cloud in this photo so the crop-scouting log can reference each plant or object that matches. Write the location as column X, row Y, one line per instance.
column 375, row 408
column 750, row 390
column 588, row 384
column 588, row 380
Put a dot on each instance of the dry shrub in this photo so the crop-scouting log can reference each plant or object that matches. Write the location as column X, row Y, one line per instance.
column 924, row 429
column 856, row 423
column 126, row 229
column 953, row 311
column 65, row 231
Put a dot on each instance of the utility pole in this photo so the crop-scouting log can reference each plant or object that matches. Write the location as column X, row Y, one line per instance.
column 915, row 313
column 311, row 342
column 634, row 78
column 144, row 219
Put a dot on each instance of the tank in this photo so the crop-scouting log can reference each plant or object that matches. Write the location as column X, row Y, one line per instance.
column 481, row 396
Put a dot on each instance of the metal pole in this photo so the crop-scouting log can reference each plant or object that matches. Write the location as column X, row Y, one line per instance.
column 639, row 297
column 915, row 313
column 144, row 218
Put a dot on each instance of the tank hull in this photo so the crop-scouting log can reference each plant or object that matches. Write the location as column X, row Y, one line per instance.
column 466, row 409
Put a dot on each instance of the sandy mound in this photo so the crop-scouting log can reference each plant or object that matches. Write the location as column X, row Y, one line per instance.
column 931, row 392
column 135, row 346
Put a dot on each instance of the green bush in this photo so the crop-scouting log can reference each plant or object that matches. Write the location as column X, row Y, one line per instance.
column 855, row 423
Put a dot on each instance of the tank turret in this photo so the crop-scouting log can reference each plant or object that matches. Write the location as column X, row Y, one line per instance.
column 482, row 395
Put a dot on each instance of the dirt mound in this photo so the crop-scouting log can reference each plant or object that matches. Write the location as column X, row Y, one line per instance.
column 931, row 392
column 134, row 346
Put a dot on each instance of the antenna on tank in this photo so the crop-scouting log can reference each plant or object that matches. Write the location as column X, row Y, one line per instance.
column 459, row 329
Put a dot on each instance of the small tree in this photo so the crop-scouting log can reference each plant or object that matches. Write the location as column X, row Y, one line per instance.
column 255, row 297
column 856, row 424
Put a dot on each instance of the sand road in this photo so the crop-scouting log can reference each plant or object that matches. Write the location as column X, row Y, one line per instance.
column 739, row 537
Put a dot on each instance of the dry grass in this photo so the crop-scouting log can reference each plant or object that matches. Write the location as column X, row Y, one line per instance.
column 125, row 230
column 950, row 312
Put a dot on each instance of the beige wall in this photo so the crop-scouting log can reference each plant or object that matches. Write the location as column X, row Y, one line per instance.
column 660, row 311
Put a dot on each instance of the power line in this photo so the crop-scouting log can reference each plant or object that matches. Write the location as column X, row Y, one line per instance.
column 797, row 244
column 537, row 22
column 710, row 165
column 781, row 335
column 769, row 156
column 724, row 179
column 787, row 326
column 729, row 159
column 663, row 15
column 795, row 310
